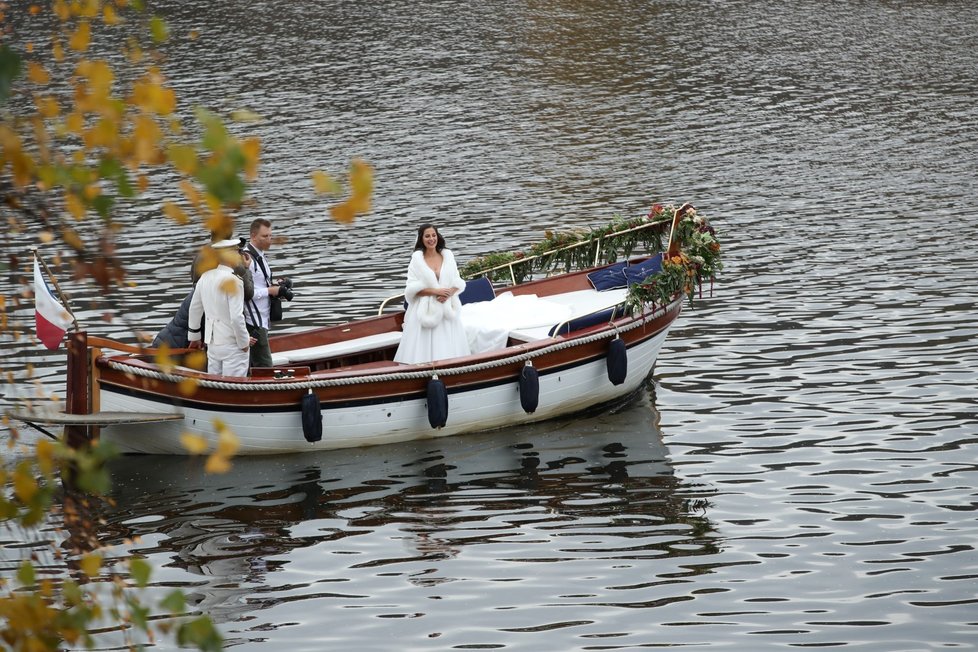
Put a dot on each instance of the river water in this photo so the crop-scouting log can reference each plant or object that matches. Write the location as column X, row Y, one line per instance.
column 801, row 471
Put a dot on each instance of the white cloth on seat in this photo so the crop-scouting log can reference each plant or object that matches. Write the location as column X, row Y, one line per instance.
column 488, row 323
column 432, row 330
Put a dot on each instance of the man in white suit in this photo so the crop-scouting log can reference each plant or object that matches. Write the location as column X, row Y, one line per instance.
column 219, row 299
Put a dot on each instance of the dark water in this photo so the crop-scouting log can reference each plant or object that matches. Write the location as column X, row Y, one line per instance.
column 802, row 471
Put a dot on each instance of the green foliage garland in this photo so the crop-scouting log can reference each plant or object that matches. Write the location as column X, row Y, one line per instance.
column 698, row 259
column 576, row 249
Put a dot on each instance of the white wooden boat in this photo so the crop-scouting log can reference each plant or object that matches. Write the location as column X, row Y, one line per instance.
column 568, row 348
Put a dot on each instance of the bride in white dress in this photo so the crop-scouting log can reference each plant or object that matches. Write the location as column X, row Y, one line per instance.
column 433, row 327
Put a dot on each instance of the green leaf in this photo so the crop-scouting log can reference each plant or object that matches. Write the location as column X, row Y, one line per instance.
column 11, row 66
column 200, row 632
column 175, row 602
column 139, row 571
column 72, row 593
column 158, row 28
column 103, row 206
column 138, row 614
column 25, row 574
column 110, row 168
column 215, row 133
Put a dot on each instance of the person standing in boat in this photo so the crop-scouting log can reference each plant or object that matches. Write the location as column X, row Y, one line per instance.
column 433, row 328
column 174, row 333
column 218, row 299
column 258, row 309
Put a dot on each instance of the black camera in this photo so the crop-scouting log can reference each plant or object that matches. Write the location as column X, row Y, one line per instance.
column 285, row 289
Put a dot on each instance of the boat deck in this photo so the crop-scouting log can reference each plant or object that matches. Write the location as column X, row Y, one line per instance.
column 492, row 325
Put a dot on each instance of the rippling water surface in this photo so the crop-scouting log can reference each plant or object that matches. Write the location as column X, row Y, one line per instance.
column 801, row 471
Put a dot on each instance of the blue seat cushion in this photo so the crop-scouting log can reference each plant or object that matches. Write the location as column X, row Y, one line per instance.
column 641, row 271
column 586, row 321
column 478, row 289
column 609, row 278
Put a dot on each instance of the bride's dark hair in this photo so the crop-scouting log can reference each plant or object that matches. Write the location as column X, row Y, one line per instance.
column 419, row 243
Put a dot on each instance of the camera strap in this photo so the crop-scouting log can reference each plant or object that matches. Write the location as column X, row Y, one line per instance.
column 252, row 309
column 260, row 262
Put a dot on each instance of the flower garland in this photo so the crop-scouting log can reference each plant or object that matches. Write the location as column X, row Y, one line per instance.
column 575, row 249
column 698, row 258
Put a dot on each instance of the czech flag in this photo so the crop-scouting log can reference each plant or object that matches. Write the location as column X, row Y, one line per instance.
column 51, row 318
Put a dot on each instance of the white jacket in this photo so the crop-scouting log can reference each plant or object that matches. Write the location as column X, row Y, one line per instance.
column 219, row 297
column 427, row 309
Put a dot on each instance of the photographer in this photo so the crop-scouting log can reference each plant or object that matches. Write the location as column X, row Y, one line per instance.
column 259, row 312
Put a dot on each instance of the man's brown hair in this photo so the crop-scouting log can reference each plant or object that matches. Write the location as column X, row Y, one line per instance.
column 258, row 223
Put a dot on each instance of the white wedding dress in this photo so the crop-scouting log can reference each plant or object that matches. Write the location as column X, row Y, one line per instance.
column 432, row 330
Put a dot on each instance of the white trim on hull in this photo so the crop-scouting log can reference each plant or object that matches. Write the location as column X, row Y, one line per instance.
column 260, row 433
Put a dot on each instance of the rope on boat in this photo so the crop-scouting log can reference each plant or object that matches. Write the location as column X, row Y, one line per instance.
column 380, row 378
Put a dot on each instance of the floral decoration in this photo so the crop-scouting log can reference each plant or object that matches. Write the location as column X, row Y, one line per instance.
column 698, row 258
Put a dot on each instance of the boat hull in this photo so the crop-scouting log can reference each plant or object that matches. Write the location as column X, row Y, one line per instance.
column 572, row 378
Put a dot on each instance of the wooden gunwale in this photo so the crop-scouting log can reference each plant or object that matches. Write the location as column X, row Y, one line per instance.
column 166, row 392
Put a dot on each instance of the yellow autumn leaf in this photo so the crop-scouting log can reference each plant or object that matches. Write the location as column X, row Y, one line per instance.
column 251, row 148
column 81, row 37
column 196, row 360
column 227, row 443
column 99, row 75
column 86, row 8
column 230, row 286
column 163, row 358
column 152, row 96
column 45, row 456
column 46, row 237
column 91, row 563
column 324, row 184
column 343, row 213
column 193, row 444
column 245, row 115
column 109, row 15
column 75, row 206
column 361, row 178
column 37, row 74
column 191, row 193
column 145, row 137
column 134, row 53
column 183, row 157
column 73, row 240
column 219, row 222
column 75, row 122
column 360, row 204
column 175, row 213
column 187, row 386
column 104, row 133
column 47, row 106
column 217, row 464
column 58, row 51
column 25, row 485
column 91, row 191
column 61, row 10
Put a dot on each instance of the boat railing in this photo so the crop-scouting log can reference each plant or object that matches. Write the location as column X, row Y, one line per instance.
column 597, row 243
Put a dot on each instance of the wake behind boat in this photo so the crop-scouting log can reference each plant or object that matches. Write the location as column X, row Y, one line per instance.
column 541, row 349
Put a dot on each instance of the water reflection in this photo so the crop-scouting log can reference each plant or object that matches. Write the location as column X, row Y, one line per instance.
column 588, row 488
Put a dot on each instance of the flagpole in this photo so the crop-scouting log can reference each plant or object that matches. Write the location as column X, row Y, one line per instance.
column 54, row 281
